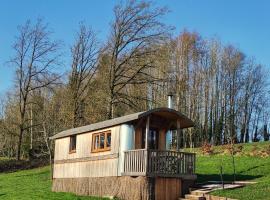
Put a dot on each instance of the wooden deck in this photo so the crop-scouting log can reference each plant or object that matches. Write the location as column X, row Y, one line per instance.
column 157, row 163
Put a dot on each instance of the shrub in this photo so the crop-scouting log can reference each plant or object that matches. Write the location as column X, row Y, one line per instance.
column 207, row 148
column 265, row 153
column 254, row 151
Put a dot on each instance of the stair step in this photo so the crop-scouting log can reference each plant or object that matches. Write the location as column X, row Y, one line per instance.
column 199, row 192
column 202, row 189
column 193, row 188
column 194, row 197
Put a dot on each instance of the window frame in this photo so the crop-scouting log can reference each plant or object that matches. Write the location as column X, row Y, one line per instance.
column 106, row 148
column 70, row 143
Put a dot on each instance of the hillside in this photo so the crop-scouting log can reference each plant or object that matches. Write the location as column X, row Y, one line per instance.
column 251, row 164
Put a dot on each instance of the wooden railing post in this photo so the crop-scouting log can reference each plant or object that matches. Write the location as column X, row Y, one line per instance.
column 146, row 154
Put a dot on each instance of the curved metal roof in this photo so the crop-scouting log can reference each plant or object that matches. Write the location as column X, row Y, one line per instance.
column 185, row 122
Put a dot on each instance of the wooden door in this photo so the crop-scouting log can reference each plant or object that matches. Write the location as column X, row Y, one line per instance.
column 167, row 188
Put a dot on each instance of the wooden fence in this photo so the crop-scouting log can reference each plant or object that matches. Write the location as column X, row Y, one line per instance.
column 143, row 162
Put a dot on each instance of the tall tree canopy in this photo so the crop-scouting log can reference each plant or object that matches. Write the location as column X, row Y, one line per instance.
column 224, row 91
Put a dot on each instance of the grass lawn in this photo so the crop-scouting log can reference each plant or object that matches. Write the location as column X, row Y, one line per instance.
column 32, row 184
column 251, row 168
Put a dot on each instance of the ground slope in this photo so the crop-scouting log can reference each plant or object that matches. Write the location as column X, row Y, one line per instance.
column 251, row 164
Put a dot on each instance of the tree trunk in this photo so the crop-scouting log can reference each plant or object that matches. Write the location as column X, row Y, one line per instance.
column 48, row 145
column 18, row 156
column 265, row 134
column 110, row 114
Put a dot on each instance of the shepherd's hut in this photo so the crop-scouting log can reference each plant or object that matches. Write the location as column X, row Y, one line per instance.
column 126, row 157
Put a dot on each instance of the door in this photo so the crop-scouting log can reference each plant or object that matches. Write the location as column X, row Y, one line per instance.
column 153, row 138
column 168, row 188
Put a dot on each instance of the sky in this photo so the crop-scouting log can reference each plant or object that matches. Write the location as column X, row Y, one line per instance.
column 242, row 23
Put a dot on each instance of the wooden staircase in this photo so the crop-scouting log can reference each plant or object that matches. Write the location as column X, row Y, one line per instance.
column 202, row 194
column 195, row 194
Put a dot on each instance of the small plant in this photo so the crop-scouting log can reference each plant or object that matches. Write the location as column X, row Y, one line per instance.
column 238, row 149
column 221, row 172
column 231, row 148
column 227, row 149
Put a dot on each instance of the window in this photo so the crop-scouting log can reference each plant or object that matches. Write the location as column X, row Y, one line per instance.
column 72, row 144
column 101, row 141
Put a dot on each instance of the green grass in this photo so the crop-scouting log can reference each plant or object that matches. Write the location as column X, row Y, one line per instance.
column 32, row 184
column 252, row 168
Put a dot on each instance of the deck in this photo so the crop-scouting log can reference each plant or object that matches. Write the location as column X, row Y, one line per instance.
column 159, row 163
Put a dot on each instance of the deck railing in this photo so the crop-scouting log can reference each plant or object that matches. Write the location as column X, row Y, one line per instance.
column 143, row 162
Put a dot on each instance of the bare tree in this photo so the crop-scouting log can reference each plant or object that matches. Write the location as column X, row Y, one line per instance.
column 85, row 52
column 50, row 123
column 35, row 56
column 136, row 33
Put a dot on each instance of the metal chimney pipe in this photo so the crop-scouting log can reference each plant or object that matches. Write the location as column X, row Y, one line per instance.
column 170, row 100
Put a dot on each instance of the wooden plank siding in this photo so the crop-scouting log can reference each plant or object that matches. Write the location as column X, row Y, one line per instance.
column 162, row 139
column 83, row 162
column 99, row 168
column 138, row 138
column 85, row 159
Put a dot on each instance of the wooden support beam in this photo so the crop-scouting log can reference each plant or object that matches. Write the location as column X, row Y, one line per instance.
column 178, row 134
column 147, row 132
column 139, row 123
